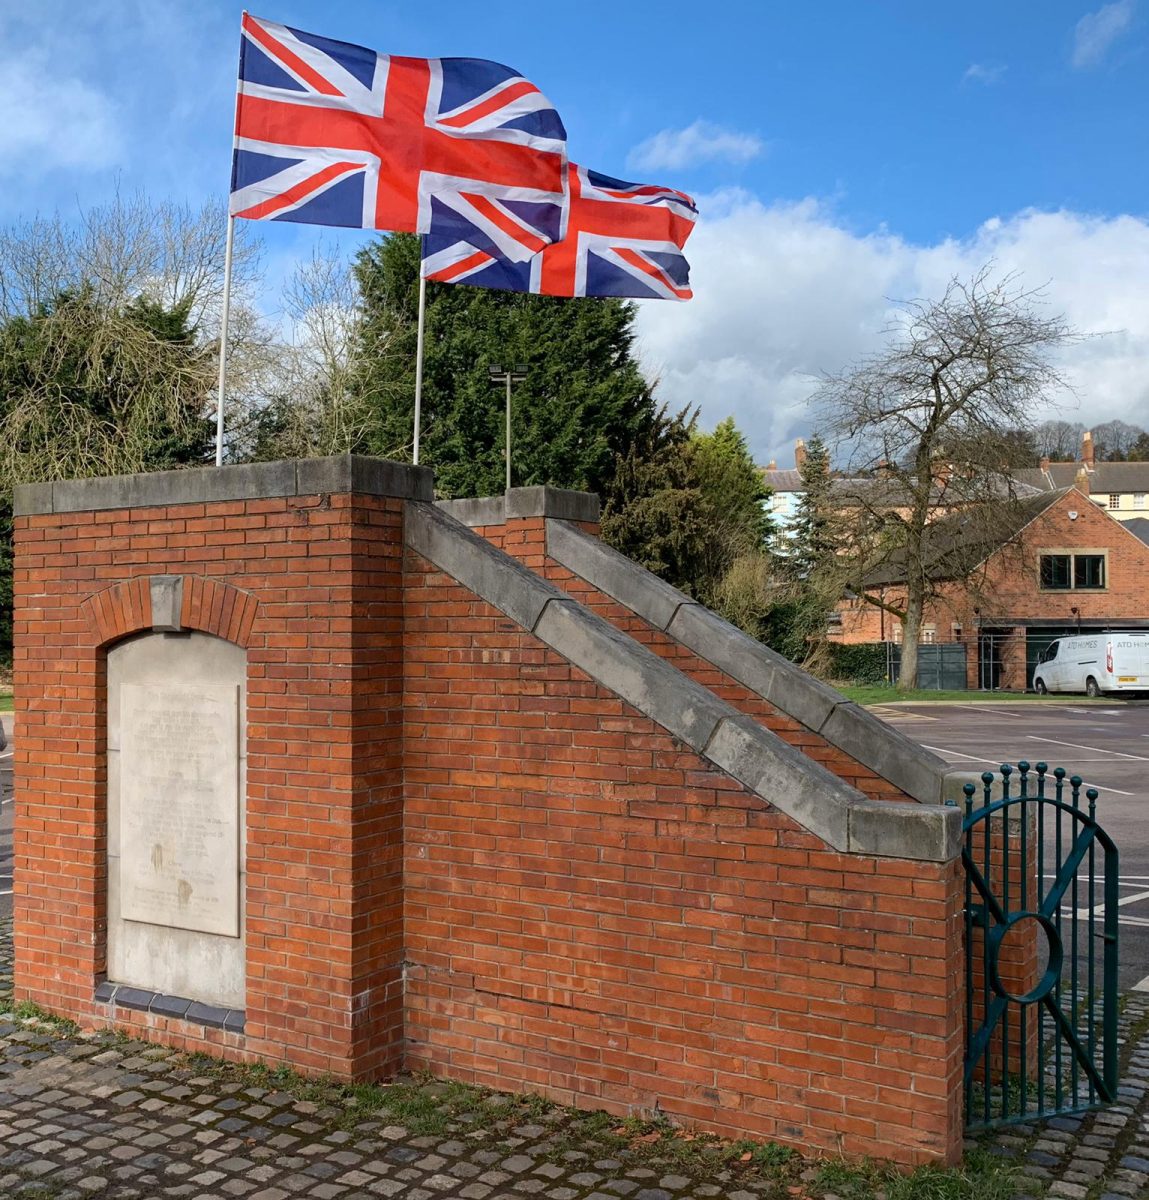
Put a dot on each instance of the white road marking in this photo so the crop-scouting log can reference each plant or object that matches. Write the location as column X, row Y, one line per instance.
column 1082, row 913
column 1101, row 787
column 1143, row 986
column 957, row 754
column 1033, row 737
column 5, row 891
column 7, row 754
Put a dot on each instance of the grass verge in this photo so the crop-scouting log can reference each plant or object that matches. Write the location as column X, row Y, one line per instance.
column 886, row 694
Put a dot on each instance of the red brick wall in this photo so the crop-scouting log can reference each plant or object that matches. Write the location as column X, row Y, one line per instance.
column 526, row 540
column 594, row 912
column 580, row 905
column 282, row 577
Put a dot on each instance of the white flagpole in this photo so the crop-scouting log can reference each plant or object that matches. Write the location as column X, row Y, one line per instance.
column 419, row 360
column 222, row 390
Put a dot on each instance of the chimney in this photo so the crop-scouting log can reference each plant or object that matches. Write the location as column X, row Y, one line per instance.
column 1087, row 449
column 799, row 454
column 1045, row 462
column 772, row 465
column 1081, row 483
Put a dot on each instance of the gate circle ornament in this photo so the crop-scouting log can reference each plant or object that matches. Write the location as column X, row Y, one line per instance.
column 1048, row 981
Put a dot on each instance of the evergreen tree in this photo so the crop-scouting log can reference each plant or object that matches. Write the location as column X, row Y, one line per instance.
column 583, row 404
column 814, row 536
column 812, row 559
column 688, row 505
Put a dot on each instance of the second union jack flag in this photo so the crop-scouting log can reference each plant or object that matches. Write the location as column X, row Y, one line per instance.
column 329, row 133
column 623, row 239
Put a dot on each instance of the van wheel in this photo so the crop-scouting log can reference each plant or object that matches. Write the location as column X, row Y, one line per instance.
column 1092, row 687
column 1040, row 688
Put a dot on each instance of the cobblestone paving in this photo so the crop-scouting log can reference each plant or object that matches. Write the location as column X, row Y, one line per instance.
column 92, row 1116
column 1102, row 1155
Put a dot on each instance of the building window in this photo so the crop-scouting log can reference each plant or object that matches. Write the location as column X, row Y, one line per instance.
column 1072, row 572
column 929, row 635
column 1055, row 572
column 1114, row 500
column 1138, row 499
column 957, row 633
column 1089, row 570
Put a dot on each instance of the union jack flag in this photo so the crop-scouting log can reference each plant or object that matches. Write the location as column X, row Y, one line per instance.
column 334, row 134
column 622, row 239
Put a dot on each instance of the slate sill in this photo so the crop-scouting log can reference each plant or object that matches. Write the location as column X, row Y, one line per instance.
column 231, row 1020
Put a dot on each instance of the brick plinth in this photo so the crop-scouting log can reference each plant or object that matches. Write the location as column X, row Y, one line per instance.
column 310, row 586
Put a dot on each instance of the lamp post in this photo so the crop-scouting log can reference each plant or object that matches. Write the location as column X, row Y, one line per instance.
column 515, row 374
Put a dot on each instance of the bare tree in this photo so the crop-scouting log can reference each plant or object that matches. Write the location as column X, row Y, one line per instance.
column 129, row 248
column 312, row 403
column 933, row 419
column 1059, row 440
column 1113, row 440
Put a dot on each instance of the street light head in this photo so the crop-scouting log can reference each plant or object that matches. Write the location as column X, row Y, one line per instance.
column 494, row 370
column 520, row 368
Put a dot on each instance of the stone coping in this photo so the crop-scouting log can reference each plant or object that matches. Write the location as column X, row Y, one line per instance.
column 777, row 772
column 819, row 707
column 343, row 473
column 558, row 503
column 141, row 1000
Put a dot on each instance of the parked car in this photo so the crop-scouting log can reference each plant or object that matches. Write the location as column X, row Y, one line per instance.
column 1096, row 664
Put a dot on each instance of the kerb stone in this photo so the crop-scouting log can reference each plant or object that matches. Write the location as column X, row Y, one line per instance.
column 479, row 566
column 784, row 777
column 632, row 672
column 925, row 832
column 613, row 573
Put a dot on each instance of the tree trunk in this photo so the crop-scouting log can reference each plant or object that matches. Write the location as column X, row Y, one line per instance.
column 911, row 636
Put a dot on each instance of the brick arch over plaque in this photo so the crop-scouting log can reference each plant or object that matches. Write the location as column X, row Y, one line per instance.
column 172, row 603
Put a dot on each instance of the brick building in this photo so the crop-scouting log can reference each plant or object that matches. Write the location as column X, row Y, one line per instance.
column 1069, row 567
column 1121, row 488
column 474, row 794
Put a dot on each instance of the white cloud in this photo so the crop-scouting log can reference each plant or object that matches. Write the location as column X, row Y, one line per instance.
column 703, row 141
column 982, row 73
column 785, row 293
column 52, row 121
column 1097, row 31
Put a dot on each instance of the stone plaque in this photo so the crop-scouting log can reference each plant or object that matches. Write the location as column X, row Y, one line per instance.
column 179, row 805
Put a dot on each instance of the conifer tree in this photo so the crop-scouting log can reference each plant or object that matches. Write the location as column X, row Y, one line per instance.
column 583, row 404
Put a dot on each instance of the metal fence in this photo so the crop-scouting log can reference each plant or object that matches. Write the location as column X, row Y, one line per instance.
column 941, row 665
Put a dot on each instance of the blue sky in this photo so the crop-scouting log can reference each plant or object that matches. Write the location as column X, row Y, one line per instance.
column 844, row 154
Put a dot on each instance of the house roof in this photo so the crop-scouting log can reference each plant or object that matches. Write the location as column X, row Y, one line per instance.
column 1103, row 476
column 878, row 492
column 958, row 543
column 1139, row 527
column 783, row 481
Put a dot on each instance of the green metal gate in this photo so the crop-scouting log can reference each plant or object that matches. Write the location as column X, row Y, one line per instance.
column 1041, row 949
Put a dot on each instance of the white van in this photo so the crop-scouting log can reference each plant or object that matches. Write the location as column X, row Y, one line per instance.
column 1094, row 663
